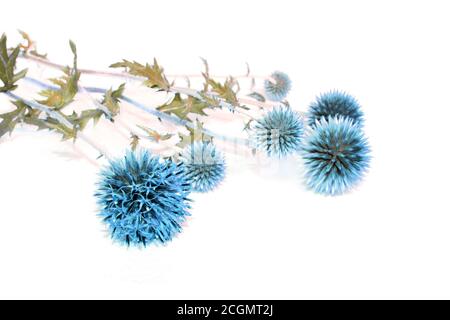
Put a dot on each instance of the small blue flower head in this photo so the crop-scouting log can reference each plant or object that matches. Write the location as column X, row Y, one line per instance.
column 143, row 199
column 204, row 165
column 335, row 103
column 336, row 155
column 279, row 132
column 278, row 90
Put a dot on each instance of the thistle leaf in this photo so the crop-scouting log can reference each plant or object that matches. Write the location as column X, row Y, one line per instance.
column 205, row 63
column 52, row 125
column 155, row 135
column 257, row 96
column 154, row 74
column 182, row 107
column 225, row 90
column 134, row 142
column 28, row 115
column 30, row 46
column 8, row 66
column 82, row 120
column 212, row 101
column 111, row 99
column 68, row 86
column 247, row 126
column 248, row 69
column 12, row 118
column 194, row 135
column 29, row 42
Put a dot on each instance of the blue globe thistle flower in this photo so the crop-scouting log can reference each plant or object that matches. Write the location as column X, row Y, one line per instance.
column 335, row 103
column 279, row 90
column 204, row 165
column 143, row 199
column 279, row 132
column 336, row 155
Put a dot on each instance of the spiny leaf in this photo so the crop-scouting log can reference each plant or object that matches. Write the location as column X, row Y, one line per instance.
column 73, row 47
column 52, row 125
column 225, row 90
column 8, row 66
column 176, row 106
column 134, row 142
column 111, row 99
column 153, row 73
column 194, row 135
column 257, row 96
column 206, row 84
column 248, row 69
column 155, row 135
column 247, row 125
column 212, row 101
column 27, row 48
column 82, row 120
column 12, row 118
column 181, row 107
column 205, row 63
column 253, row 83
column 194, row 105
column 28, row 115
column 29, row 43
column 68, row 86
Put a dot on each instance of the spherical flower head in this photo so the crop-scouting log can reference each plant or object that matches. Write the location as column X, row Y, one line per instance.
column 204, row 166
column 143, row 199
column 335, row 103
column 279, row 132
column 336, row 155
column 278, row 87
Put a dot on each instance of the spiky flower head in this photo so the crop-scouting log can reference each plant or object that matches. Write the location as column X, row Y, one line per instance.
column 143, row 199
column 335, row 103
column 204, row 165
column 279, row 132
column 336, row 155
column 278, row 87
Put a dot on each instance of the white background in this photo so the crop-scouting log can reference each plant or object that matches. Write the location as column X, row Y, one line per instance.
column 261, row 235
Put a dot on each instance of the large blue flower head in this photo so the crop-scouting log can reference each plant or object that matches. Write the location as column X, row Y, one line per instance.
column 335, row 103
column 279, row 132
column 143, row 199
column 278, row 87
column 336, row 155
column 204, row 165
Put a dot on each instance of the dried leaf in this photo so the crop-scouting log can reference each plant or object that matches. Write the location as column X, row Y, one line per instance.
column 247, row 125
column 68, row 86
column 82, row 120
column 194, row 135
column 181, row 107
column 257, row 96
column 12, row 118
column 27, row 48
column 155, row 135
column 8, row 65
column 111, row 99
column 26, row 114
column 225, row 90
column 153, row 73
column 134, row 142
column 52, row 125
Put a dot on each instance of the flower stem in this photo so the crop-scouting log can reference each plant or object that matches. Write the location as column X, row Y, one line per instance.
column 122, row 124
column 60, row 119
column 125, row 75
column 149, row 110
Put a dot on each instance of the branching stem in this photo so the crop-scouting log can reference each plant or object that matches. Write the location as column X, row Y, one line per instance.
column 60, row 119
